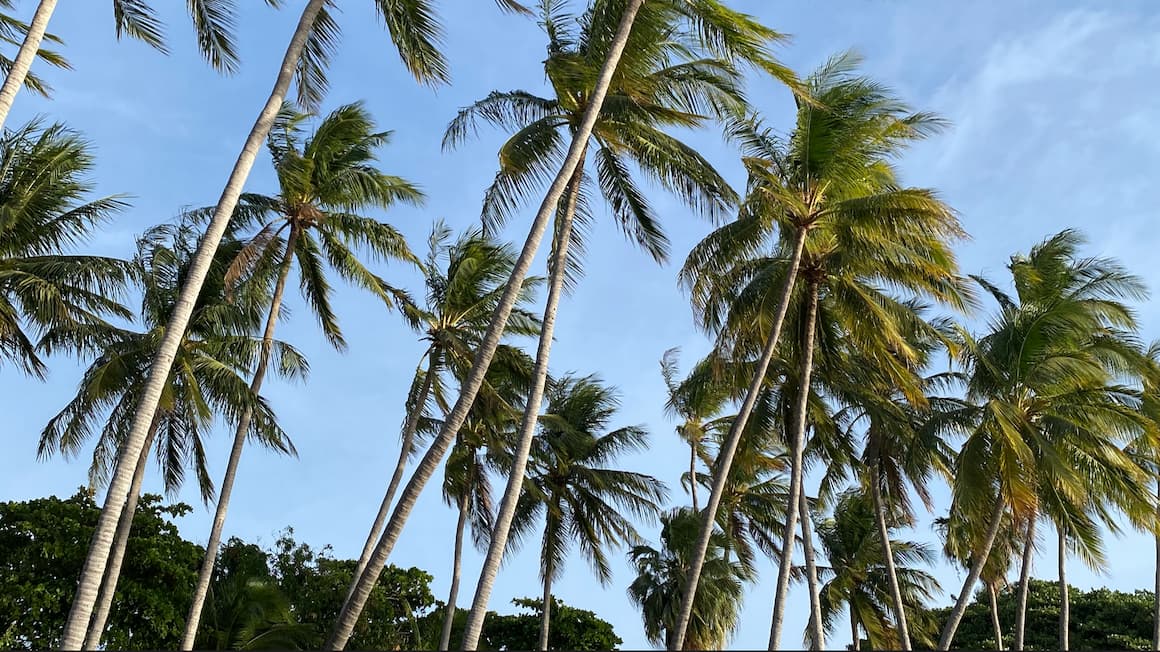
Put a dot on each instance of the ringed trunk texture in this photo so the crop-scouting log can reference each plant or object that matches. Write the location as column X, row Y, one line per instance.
column 980, row 558
column 120, row 544
column 24, row 57
column 456, row 567
column 725, row 458
column 888, row 559
column 546, row 617
column 193, row 620
column 427, row 467
column 693, row 474
column 507, row 508
column 1024, row 585
column 1064, row 598
column 993, row 594
column 797, row 447
column 817, row 636
column 98, row 557
column 408, row 442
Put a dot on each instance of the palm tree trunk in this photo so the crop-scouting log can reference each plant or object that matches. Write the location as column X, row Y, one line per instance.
column 1156, row 588
column 1064, row 598
column 409, row 429
column 24, row 57
column 888, row 558
column 102, row 541
column 219, row 518
column 729, row 449
column 797, row 447
column 511, row 496
column 546, row 617
column 855, row 637
column 120, row 544
column 980, row 558
column 693, row 474
column 993, row 593
column 1024, row 585
column 427, row 467
column 457, row 562
column 817, row 636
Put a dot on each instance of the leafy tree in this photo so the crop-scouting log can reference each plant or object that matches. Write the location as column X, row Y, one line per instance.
column 574, row 629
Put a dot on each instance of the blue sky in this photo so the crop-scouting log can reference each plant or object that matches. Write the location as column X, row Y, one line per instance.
column 1053, row 104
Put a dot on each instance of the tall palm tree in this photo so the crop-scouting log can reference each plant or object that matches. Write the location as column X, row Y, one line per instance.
column 13, row 32
column 584, row 502
column 416, row 33
column 1046, row 377
column 464, row 282
column 44, row 211
column 696, row 404
column 324, row 180
column 833, row 171
column 209, row 381
column 661, row 576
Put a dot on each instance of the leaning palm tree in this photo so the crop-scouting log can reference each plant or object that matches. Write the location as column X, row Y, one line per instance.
column 661, row 576
column 416, row 33
column 830, row 181
column 324, row 180
column 584, row 502
column 209, row 381
column 43, row 212
column 13, row 32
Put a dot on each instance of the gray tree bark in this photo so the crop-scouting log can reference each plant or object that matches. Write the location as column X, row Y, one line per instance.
column 1024, row 585
column 1064, row 598
column 993, row 594
column 546, row 615
column 817, row 635
column 456, row 567
column 888, row 558
column 980, row 558
column 24, row 57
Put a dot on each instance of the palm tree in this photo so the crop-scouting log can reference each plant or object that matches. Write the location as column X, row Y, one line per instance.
column 584, row 502
column 209, row 380
column 830, row 182
column 1045, row 376
column 695, row 404
column 464, row 282
column 323, row 181
column 959, row 542
column 43, row 211
column 661, row 576
column 13, row 32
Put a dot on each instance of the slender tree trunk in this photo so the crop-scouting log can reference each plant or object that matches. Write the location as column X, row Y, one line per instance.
column 546, row 615
column 219, row 518
column 507, row 508
column 470, row 387
column 856, row 641
column 993, row 593
column 409, row 428
column 120, row 544
column 888, row 558
column 980, row 558
column 456, row 564
column 693, row 474
column 797, row 448
column 98, row 556
column 817, row 636
column 24, row 57
column 1024, row 585
column 725, row 457
column 1064, row 598
column 1156, row 588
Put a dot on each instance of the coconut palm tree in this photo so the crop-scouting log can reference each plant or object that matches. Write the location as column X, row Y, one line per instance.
column 13, row 32
column 324, row 180
column 584, row 502
column 209, row 381
column 661, row 578
column 43, row 213
column 959, row 542
column 1046, row 377
column 833, row 171
column 416, row 33
column 696, row 404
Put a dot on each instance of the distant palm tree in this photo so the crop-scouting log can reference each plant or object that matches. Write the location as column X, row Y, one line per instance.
column 43, row 213
column 697, row 404
column 584, row 501
column 323, row 181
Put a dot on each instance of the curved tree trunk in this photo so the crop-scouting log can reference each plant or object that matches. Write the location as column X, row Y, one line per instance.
column 456, row 564
column 979, row 559
column 219, row 518
column 470, row 387
column 507, row 508
column 725, row 457
column 408, row 441
column 546, row 613
column 993, row 594
column 817, row 635
column 120, row 544
column 24, row 57
column 888, row 558
column 1024, row 585
column 1064, row 598
column 855, row 637
column 98, row 556
column 693, row 474
column 797, row 448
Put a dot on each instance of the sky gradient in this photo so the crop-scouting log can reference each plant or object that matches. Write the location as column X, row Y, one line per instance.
column 1053, row 106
